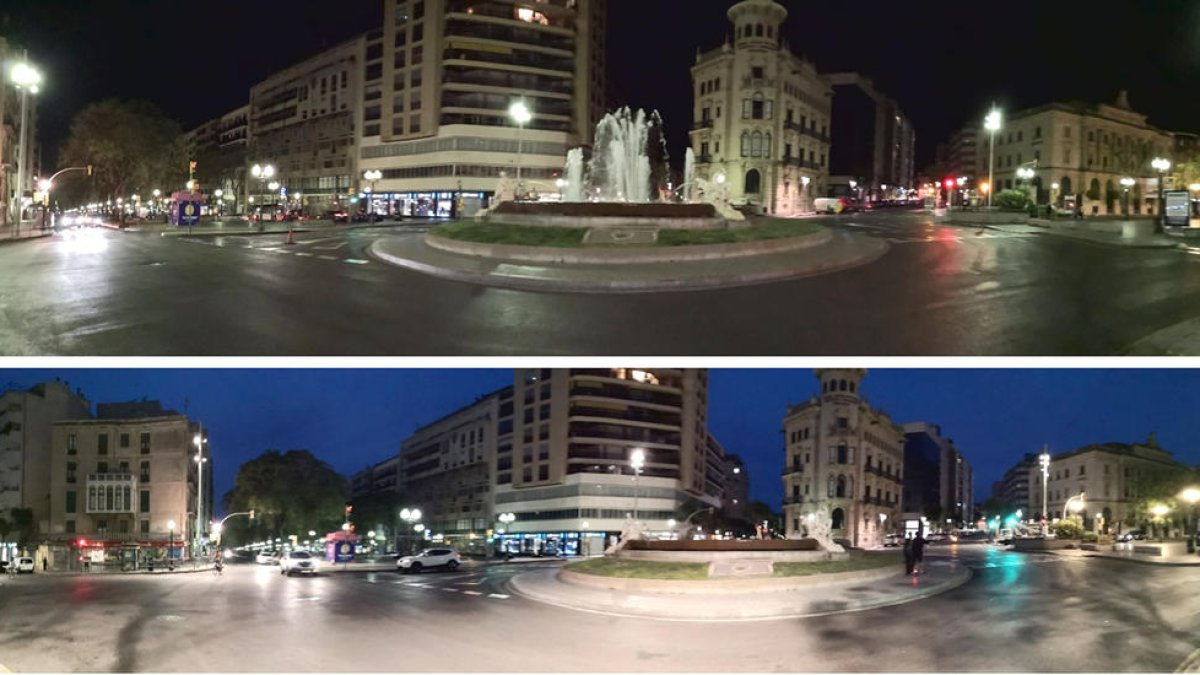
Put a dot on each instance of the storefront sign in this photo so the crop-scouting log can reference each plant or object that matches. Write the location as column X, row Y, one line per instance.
column 1178, row 208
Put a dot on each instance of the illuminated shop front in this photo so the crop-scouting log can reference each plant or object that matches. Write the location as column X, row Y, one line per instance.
column 451, row 204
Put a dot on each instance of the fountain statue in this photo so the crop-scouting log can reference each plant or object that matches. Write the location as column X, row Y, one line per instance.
column 632, row 530
column 820, row 528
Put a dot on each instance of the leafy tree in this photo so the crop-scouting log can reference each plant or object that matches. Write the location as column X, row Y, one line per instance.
column 935, row 513
column 290, row 493
column 1152, row 487
column 132, row 145
column 1093, row 192
column 1011, row 200
column 378, row 509
column 994, row 506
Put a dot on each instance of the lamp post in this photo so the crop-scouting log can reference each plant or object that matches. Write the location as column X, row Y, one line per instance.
column 263, row 174
column 26, row 78
column 1025, row 175
column 637, row 460
column 371, row 176
column 200, row 459
column 507, row 520
column 1191, row 496
column 170, row 540
column 1126, row 183
column 1160, row 510
column 1076, row 504
column 992, row 124
column 220, row 195
column 1162, row 165
column 1044, row 461
column 410, row 516
column 520, row 113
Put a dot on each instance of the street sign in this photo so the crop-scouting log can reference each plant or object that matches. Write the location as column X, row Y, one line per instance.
column 1178, row 208
column 189, row 213
column 344, row 552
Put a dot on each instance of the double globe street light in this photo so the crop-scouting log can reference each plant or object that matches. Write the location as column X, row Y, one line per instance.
column 992, row 124
column 520, row 113
column 264, row 175
column 26, row 78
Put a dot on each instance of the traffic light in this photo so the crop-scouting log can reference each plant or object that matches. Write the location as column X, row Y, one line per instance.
column 949, row 183
column 82, row 542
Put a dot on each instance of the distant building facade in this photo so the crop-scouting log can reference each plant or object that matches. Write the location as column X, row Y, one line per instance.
column 1085, row 150
column 761, row 115
column 937, row 475
column 735, row 502
column 844, row 460
column 380, row 478
column 26, row 447
column 872, row 141
column 1014, row 489
column 125, row 477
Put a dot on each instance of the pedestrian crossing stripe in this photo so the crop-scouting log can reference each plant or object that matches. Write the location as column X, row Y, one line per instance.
column 326, row 257
column 499, row 596
column 356, row 261
column 472, row 593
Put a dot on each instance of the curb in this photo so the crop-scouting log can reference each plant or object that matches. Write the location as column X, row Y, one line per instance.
column 1136, row 561
column 1191, row 664
column 729, row 586
column 960, row 577
column 13, row 240
column 627, row 285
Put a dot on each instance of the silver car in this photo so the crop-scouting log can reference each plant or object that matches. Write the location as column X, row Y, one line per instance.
column 298, row 562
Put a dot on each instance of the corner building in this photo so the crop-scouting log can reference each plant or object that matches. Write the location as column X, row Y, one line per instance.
column 761, row 116
column 844, row 459
column 438, row 84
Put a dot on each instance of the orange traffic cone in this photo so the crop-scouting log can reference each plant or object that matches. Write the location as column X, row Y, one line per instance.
column 290, row 240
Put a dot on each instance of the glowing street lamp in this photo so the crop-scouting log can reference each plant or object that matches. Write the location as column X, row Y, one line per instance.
column 637, row 459
column 520, row 113
column 506, row 519
column 1161, row 165
column 992, row 124
column 26, row 78
column 263, row 174
column 1127, row 183
column 1044, row 461
column 1191, row 495
column 1160, row 510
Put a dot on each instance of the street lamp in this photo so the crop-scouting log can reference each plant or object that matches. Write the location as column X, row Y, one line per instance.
column 26, row 78
column 372, row 176
column 1127, row 183
column 1160, row 510
column 637, row 460
column 520, row 113
column 1044, row 461
column 410, row 516
column 992, row 124
column 263, row 174
column 170, row 540
column 1161, row 165
column 1191, row 496
column 506, row 519
column 198, row 441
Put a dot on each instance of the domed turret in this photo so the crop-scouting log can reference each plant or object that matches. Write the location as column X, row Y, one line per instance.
column 757, row 21
column 840, row 381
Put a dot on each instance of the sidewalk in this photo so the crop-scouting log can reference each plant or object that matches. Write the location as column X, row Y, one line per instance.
column 1115, row 238
column 844, row 250
column 834, row 597
column 1184, row 560
column 28, row 231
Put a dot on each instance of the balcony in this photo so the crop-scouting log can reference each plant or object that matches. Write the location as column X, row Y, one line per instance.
column 801, row 162
column 807, row 131
column 793, row 499
column 795, row 468
column 110, row 493
column 702, row 124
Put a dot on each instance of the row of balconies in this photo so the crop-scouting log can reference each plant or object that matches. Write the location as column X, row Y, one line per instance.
column 879, row 501
column 800, row 162
column 807, row 131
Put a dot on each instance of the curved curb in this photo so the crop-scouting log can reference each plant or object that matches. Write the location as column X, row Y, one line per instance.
column 721, row 586
column 878, row 247
column 961, row 576
column 1191, row 664
column 633, row 255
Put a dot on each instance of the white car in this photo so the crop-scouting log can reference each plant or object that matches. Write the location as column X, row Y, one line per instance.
column 298, row 562
column 446, row 558
column 267, row 558
column 24, row 565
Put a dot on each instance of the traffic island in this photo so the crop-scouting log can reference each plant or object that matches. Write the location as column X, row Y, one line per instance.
column 551, row 258
column 688, row 592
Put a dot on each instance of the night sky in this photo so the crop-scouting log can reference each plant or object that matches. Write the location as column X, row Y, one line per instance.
column 354, row 418
column 944, row 62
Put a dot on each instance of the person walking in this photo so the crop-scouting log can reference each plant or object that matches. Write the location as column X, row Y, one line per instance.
column 918, row 550
column 909, row 561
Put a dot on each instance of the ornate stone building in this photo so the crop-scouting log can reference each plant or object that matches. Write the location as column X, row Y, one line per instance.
column 843, row 459
column 761, row 115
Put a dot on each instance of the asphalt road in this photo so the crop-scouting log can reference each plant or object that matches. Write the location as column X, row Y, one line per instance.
column 1020, row 613
column 938, row 291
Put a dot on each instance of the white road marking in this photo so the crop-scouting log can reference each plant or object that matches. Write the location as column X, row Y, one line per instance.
column 499, row 596
column 356, row 261
column 326, row 257
column 302, row 253
column 449, row 590
column 472, row 593
column 331, row 248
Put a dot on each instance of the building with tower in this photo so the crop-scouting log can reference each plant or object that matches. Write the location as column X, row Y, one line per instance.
column 761, row 115
column 844, row 460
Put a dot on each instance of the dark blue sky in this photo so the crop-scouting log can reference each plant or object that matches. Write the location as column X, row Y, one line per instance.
column 352, row 418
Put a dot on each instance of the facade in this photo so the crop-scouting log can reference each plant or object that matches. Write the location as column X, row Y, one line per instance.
column 936, row 475
column 25, row 443
column 447, row 470
column 844, row 460
column 304, row 121
column 383, row 477
column 218, row 147
column 1015, row 488
column 1108, row 476
column 438, row 84
column 762, row 116
column 1085, row 150
column 872, row 141
column 125, row 478
column 735, row 501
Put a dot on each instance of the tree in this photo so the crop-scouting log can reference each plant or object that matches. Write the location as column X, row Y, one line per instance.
column 1150, row 487
column 935, row 513
column 378, row 509
column 132, row 146
column 994, row 506
column 1067, row 529
column 290, row 494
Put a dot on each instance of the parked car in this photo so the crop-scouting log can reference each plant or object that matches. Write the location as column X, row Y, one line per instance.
column 1132, row 535
column 446, row 558
column 298, row 562
column 24, row 565
column 338, row 216
column 893, row 540
column 267, row 558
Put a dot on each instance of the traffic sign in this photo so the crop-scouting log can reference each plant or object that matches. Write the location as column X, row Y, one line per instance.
column 189, row 213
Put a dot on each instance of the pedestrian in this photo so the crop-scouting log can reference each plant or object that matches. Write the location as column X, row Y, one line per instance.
column 918, row 549
column 908, row 555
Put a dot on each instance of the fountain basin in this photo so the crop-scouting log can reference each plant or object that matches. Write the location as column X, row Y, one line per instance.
column 705, row 551
column 589, row 215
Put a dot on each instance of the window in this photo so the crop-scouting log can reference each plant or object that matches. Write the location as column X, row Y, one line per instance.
column 543, row 472
column 70, row 501
column 144, row 527
column 527, row 475
column 1067, row 131
column 842, row 453
column 71, row 444
column 145, row 473
column 70, row 472
column 124, row 440
column 414, row 124
column 1037, row 132
column 418, row 10
column 1082, row 470
column 101, row 467
column 843, row 423
column 757, row 71
column 758, row 107
column 758, row 30
column 418, row 32
column 145, row 443
column 144, row 501
column 745, row 144
column 102, row 444
column 70, row 527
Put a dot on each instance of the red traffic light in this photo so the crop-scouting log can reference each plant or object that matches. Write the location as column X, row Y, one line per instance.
column 82, row 542
column 949, row 182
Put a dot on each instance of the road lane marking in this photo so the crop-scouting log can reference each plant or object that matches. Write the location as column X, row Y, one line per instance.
column 356, row 261
column 303, row 254
column 472, row 593
column 499, row 596
column 331, row 248
column 326, row 257
column 449, row 590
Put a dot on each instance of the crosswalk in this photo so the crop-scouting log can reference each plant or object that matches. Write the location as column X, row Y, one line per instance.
column 460, row 584
column 330, row 249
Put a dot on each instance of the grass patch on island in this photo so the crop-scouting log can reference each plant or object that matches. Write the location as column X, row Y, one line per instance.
column 515, row 235
column 760, row 229
column 859, row 560
column 640, row 569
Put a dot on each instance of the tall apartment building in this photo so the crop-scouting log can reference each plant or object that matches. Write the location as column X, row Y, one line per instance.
column 438, row 85
column 304, row 121
column 383, row 477
column 873, row 143
column 735, row 500
column 843, row 460
column 761, row 115
column 448, row 469
column 25, row 443
column 1014, row 489
column 936, row 475
column 125, row 477
column 1085, row 150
